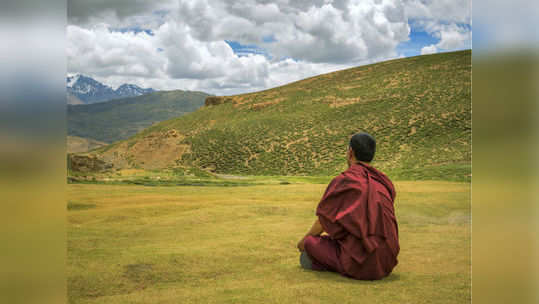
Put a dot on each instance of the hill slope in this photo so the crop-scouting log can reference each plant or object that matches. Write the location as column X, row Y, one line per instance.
column 77, row 144
column 120, row 118
column 417, row 108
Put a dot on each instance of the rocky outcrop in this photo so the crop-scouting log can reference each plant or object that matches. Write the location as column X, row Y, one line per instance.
column 156, row 150
column 86, row 163
column 216, row 100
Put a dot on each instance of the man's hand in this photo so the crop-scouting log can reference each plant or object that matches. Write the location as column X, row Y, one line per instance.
column 301, row 244
column 315, row 230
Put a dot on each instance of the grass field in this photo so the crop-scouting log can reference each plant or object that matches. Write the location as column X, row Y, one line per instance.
column 140, row 244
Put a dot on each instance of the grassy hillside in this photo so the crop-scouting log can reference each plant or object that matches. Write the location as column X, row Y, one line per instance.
column 121, row 118
column 418, row 109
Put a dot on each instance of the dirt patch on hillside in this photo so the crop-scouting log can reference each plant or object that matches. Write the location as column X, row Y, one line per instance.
column 415, row 118
column 336, row 102
column 258, row 106
column 216, row 100
column 238, row 100
column 350, row 87
column 154, row 151
column 297, row 141
column 344, row 102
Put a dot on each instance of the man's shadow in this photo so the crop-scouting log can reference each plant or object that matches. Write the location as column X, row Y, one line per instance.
column 336, row 277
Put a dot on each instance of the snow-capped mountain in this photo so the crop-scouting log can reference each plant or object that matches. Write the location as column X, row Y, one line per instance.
column 89, row 90
column 132, row 90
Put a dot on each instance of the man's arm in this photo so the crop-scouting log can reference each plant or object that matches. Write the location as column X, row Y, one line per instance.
column 316, row 229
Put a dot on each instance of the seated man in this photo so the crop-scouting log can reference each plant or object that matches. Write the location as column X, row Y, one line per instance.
column 356, row 212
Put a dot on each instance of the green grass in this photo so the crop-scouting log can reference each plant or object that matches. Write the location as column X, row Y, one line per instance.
column 149, row 179
column 141, row 244
column 417, row 108
column 197, row 177
column 448, row 172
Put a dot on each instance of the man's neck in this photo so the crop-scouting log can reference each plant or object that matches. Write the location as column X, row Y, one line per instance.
column 359, row 162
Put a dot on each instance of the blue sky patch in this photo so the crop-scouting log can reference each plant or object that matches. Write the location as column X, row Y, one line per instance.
column 418, row 40
column 246, row 49
column 269, row 39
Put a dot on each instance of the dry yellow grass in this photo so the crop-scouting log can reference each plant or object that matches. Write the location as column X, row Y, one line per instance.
column 136, row 244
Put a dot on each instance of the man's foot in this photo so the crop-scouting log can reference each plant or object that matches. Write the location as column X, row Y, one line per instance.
column 305, row 260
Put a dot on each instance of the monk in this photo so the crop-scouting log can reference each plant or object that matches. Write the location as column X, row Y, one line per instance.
column 355, row 233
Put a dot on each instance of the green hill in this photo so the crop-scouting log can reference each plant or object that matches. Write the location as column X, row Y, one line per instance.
column 418, row 109
column 77, row 144
column 121, row 118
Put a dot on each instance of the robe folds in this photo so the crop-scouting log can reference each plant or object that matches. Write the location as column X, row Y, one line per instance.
column 357, row 212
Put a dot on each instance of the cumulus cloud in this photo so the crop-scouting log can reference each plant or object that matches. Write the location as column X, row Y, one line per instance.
column 170, row 52
column 182, row 44
column 430, row 49
column 101, row 52
column 116, row 12
column 454, row 37
column 447, row 20
column 439, row 11
column 346, row 32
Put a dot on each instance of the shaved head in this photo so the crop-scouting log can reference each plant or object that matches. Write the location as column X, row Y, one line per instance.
column 364, row 146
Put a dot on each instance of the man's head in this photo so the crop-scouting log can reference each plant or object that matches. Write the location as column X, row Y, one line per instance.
column 362, row 148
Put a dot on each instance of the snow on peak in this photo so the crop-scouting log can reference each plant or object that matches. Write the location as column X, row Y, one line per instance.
column 71, row 80
column 90, row 90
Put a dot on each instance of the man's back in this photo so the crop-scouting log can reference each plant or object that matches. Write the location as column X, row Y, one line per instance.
column 357, row 212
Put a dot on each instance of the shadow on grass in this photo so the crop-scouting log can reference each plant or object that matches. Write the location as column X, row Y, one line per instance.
column 79, row 206
column 336, row 277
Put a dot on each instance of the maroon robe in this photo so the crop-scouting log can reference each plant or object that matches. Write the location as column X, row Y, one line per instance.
column 357, row 212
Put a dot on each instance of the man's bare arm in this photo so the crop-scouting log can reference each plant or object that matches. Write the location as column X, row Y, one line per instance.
column 316, row 229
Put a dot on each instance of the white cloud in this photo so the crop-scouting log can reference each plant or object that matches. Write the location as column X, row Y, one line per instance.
column 454, row 37
column 187, row 48
column 447, row 20
column 346, row 33
column 117, row 13
column 101, row 52
column 439, row 11
column 184, row 63
column 430, row 49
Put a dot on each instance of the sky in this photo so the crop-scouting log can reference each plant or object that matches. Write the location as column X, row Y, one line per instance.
column 230, row 47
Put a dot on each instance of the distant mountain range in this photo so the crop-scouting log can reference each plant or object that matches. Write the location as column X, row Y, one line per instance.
column 86, row 90
column 121, row 118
